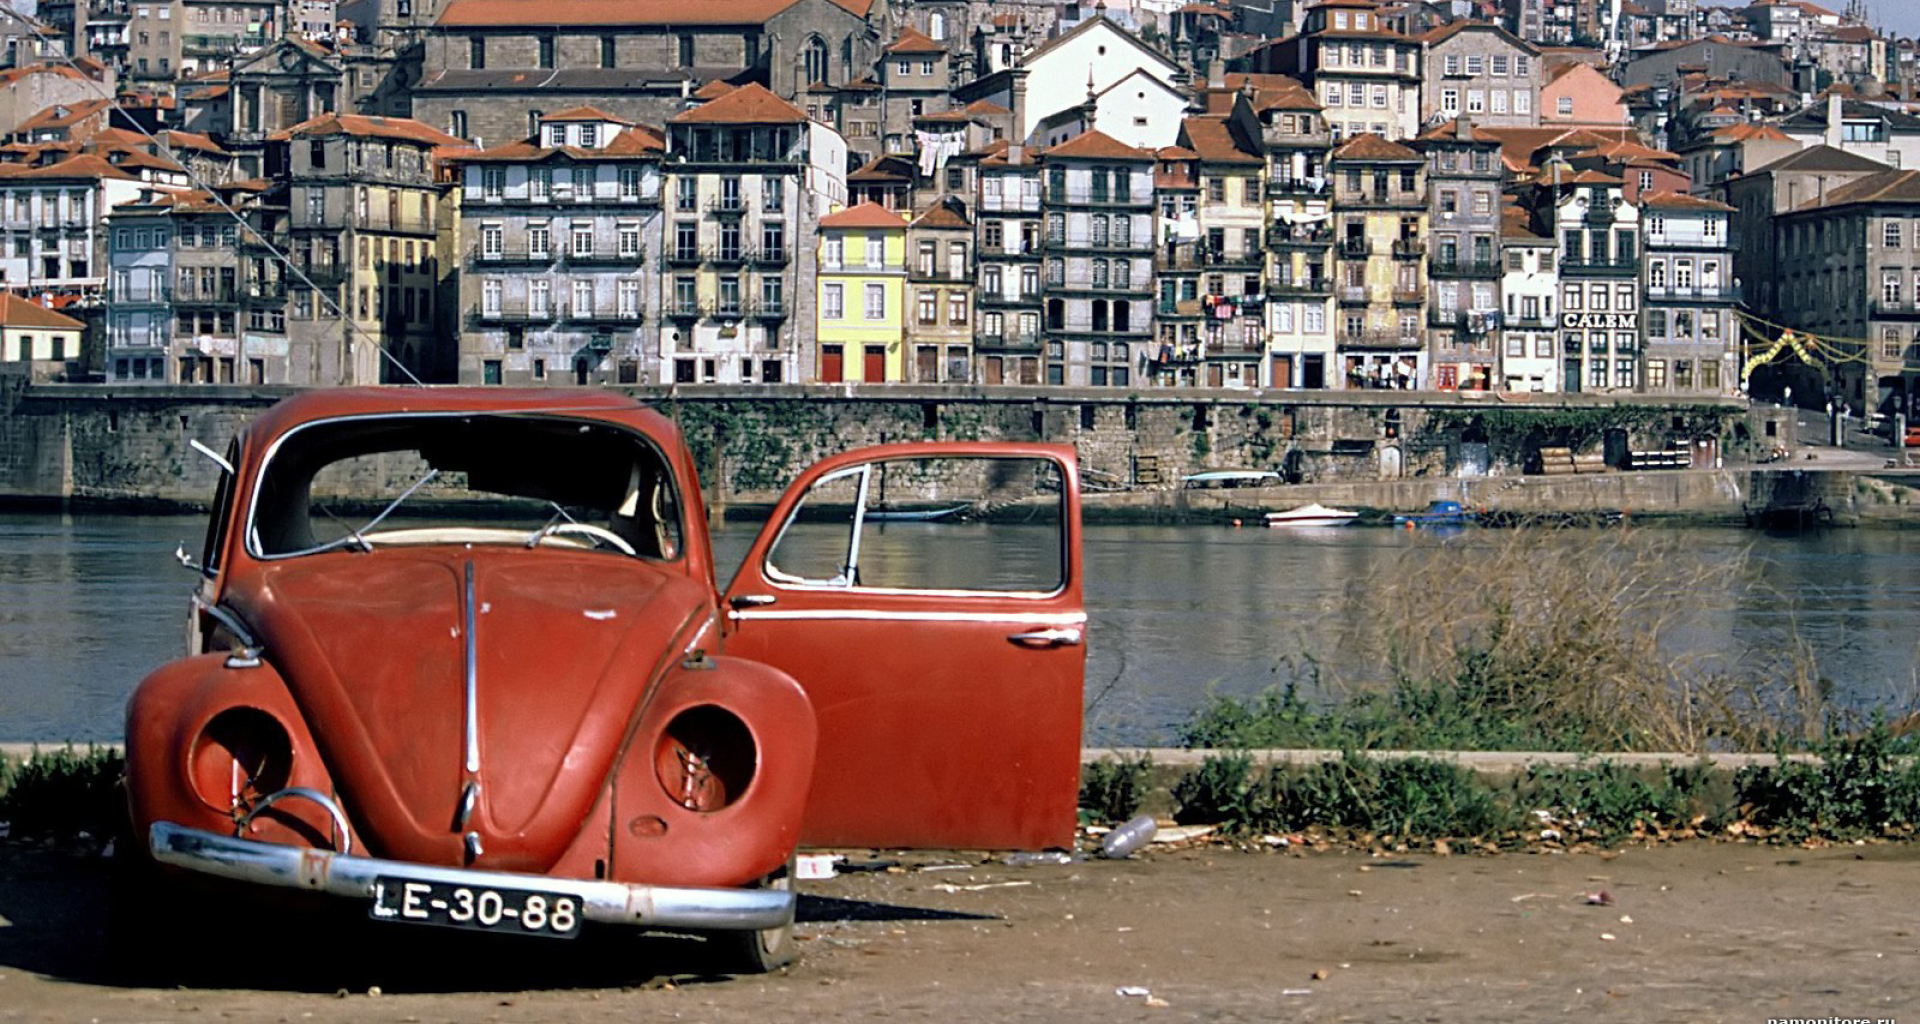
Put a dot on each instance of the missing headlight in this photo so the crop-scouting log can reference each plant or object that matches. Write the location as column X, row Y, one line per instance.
column 705, row 758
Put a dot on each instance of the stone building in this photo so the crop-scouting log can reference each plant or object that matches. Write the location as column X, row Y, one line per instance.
column 1299, row 237
column 1599, row 235
column 174, row 294
column 1849, row 272
column 1007, row 346
column 1175, row 358
column 1365, row 75
column 493, row 66
column 745, row 182
column 363, row 224
column 1482, row 72
column 1229, row 250
column 940, row 250
column 1464, row 175
column 915, row 81
column 53, row 237
column 288, row 83
column 167, row 39
column 1098, row 205
column 1773, row 190
column 557, row 247
column 1689, row 296
column 1380, row 228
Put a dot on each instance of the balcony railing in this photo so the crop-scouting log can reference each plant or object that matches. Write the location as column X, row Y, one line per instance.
column 1409, row 247
column 681, row 310
column 1099, row 197
column 603, row 257
column 764, row 257
column 725, row 255
column 1606, row 267
column 1356, row 247
column 600, row 315
column 1298, row 186
column 133, row 296
column 1711, row 293
column 1009, row 340
column 1299, row 238
column 1382, row 339
column 511, row 314
column 941, row 272
column 1021, row 298
column 480, row 256
column 1300, row 286
column 678, row 256
column 1408, row 296
column 727, row 206
column 1444, row 266
column 1353, row 295
column 764, row 310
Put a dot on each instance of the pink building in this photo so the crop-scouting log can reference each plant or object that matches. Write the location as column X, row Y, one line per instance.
column 1578, row 95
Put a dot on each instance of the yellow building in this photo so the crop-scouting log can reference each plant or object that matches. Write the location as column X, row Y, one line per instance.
column 860, row 321
column 37, row 336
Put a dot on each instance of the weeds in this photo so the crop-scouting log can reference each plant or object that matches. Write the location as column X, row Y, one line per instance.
column 1111, row 790
column 1858, row 787
column 63, row 794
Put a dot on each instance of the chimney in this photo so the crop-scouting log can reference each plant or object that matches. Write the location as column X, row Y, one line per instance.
column 1017, row 138
column 1833, row 120
column 1216, row 74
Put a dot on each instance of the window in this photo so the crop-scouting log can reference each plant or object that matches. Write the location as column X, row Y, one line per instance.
column 956, row 308
column 1564, row 106
column 493, row 183
column 629, row 241
column 1890, row 234
column 477, row 52
column 1499, row 100
column 876, row 308
column 1476, row 65
column 539, row 241
column 546, row 51
column 1522, row 102
column 1450, row 101
column 928, row 306
column 1476, row 101
column 1499, row 63
column 1452, row 65
column 833, row 302
column 608, row 53
column 491, row 241
column 876, row 250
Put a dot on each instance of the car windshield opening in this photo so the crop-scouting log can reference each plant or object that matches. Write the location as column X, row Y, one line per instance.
column 361, row 484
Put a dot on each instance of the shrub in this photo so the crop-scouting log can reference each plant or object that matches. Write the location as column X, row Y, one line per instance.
column 1112, row 789
column 63, row 794
column 1220, row 792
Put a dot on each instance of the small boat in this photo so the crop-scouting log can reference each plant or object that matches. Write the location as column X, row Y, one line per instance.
column 1440, row 513
column 1214, row 478
column 1315, row 514
column 913, row 515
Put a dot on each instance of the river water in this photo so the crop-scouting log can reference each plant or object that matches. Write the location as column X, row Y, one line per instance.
column 88, row 604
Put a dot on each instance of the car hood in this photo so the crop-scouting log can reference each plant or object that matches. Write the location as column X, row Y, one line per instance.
column 566, row 647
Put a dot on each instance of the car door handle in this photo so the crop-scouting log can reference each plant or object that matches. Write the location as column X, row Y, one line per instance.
column 739, row 601
column 1047, row 637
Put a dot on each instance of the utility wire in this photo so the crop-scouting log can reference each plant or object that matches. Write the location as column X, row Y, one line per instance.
column 356, row 333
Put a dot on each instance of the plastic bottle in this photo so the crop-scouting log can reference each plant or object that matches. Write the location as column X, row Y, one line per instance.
column 1123, row 841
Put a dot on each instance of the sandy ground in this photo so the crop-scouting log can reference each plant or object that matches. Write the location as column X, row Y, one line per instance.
column 1694, row 932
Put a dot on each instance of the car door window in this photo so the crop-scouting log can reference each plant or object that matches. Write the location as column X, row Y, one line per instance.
column 948, row 524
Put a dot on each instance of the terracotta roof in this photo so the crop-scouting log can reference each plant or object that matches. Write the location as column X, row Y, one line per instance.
column 942, row 216
column 176, row 139
column 1588, row 177
column 12, row 75
column 1453, row 28
column 987, row 108
column 1821, row 158
column 1097, row 145
column 713, row 90
column 401, row 129
column 749, row 104
column 914, row 41
column 1373, row 147
column 86, row 165
column 1516, row 222
column 1888, row 186
column 584, row 113
column 1625, row 150
column 1680, row 201
column 866, row 215
column 18, row 312
column 1175, row 153
column 886, row 167
column 513, row 13
column 1209, row 136
column 1450, row 131
column 64, row 115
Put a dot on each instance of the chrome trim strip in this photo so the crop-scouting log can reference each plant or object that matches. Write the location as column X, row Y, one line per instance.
column 228, row 620
column 473, row 678
column 885, row 615
column 343, row 875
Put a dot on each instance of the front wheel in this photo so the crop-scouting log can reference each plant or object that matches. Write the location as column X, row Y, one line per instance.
column 762, row 951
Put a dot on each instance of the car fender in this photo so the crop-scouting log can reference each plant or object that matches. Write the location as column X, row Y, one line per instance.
column 658, row 840
column 167, row 716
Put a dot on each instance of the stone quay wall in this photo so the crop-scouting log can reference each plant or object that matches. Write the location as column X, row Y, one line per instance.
column 130, row 446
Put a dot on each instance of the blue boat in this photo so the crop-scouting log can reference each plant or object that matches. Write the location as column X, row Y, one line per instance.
column 1440, row 513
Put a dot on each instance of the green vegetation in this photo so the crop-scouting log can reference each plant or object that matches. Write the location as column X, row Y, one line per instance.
column 1111, row 790
column 1858, row 787
column 63, row 794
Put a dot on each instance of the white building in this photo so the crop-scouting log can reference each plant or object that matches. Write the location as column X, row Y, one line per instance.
column 1528, row 287
column 1091, row 59
column 54, row 218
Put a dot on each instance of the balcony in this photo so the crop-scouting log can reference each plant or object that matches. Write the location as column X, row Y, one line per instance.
column 509, row 315
column 1404, row 296
column 1594, row 267
column 1356, row 248
column 681, row 257
column 1353, row 295
column 324, row 275
column 1299, row 238
column 764, row 310
column 1391, row 340
column 727, row 206
column 601, row 315
column 1024, row 298
column 725, row 256
column 942, row 273
column 1446, row 266
column 763, row 257
column 1098, row 197
column 1009, row 340
column 1277, row 187
column 603, row 258
column 1195, row 258
column 480, row 256
column 1392, row 198
column 1177, row 307
column 1728, row 293
column 1409, row 248
column 1313, row 286
column 131, row 296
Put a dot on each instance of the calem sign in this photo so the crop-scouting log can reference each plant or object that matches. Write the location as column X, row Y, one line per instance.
column 1600, row 321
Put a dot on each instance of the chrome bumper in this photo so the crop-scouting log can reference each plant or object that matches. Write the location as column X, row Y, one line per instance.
column 337, row 874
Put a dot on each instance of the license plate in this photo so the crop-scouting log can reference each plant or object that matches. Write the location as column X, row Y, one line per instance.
column 477, row 908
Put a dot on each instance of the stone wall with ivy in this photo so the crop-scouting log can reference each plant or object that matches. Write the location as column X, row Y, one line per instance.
column 130, row 445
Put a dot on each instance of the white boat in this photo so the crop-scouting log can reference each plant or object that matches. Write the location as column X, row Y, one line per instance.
column 1315, row 514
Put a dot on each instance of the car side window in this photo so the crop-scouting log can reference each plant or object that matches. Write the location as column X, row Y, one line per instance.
column 940, row 524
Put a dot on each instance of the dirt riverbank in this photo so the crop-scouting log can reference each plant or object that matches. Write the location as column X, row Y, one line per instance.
column 1693, row 932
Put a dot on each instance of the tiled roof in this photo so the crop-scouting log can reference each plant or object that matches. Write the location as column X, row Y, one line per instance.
column 883, row 168
column 1751, row 132
column 86, row 165
column 510, row 13
column 12, row 75
column 942, row 216
column 866, row 215
column 1175, row 153
column 1681, row 201
column 1888, row 186
column 749, row 104
column 713, row 90
column 18, row 312
column 64, row 115
column 584, row 113
column 914, row 41
column 399, row 129
column 1815, row 116
column 1373, row 147
column 177, row 140
column 1453, row 28
column 1210, row 137
column 1097, row 145
column 1821, row 158
column 987, row 108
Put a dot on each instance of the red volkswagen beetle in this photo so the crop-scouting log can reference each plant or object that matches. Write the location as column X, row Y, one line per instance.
column 461, row 658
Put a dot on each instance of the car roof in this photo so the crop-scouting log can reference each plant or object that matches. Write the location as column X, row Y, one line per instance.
column 585, row 403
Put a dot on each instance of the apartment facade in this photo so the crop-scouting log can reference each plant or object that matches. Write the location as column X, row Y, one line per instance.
column 861, row 326
column 558, row 247
column 1008, row 346
column 1098, row 206
column 1299, row 205
column 53, row 239
column 1529, row 286
column 1690, row 296
column 1480, row 71
column 1380, row 228
column 1464, row 267
column 1599, row 234
column 940, row 274
column 1228, row 250
column 745, row 182
column 1365, row 75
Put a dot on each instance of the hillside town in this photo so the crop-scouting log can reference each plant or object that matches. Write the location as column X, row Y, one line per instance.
column 1648, row 197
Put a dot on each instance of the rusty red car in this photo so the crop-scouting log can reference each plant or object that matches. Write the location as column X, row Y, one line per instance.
column 461, row 657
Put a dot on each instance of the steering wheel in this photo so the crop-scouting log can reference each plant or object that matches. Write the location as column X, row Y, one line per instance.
column 599, row 534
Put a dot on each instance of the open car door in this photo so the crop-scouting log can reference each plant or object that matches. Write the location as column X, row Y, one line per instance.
column 928, row 599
